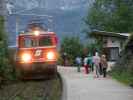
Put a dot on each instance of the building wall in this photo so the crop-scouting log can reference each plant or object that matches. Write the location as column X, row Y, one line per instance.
column 112, row 47
column 114, row 42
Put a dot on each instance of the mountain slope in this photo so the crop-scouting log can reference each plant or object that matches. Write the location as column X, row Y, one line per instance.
column 67, row 16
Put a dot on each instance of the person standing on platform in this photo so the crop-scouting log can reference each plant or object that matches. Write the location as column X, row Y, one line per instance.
column 78, row 63
column 96, row 62
column 104, row 65
column 86, row 65
column 90, row 62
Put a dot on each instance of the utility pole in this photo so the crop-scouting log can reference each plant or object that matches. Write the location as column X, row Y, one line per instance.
column 17, row 25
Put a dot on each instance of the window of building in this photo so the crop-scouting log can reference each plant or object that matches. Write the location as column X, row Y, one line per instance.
column 112, row 53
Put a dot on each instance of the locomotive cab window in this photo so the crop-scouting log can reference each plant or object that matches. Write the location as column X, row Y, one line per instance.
column 45, row 41
column 28, row 42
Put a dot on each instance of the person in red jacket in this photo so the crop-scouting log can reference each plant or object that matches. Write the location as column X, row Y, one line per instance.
column 86, row 66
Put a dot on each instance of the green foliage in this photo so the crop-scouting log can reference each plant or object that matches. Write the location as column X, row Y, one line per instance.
column 5, row 67
column 123, row 70
column 71, row 46
column 92, row 48
column 111, row 15
column 123, row 77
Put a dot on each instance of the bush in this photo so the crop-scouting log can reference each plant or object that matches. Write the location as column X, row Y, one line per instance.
column 72, row 47
column 123, row 70
column 5, row 67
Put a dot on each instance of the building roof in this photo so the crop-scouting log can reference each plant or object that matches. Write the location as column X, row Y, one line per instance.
column 109, row 34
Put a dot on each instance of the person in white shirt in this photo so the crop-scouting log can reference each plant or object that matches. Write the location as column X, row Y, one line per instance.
column 96, row 62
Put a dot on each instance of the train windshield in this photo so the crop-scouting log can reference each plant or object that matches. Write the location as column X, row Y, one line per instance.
column 36, row 42
column 28, row 42
column 45, row 41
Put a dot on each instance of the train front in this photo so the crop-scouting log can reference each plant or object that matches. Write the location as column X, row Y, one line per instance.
column 37, row 54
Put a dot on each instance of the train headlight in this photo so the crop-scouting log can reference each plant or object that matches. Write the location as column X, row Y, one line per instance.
column 36, row 33
column 26, row 57
column 50, row 55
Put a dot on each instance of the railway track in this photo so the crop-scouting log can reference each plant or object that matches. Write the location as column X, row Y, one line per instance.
column 32, row 90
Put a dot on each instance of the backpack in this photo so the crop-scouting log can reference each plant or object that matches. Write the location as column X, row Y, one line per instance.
column 89, row 61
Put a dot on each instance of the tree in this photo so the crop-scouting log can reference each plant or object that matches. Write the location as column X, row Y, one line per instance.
column 5, row 67
column 116, row 16
column 3, row 48
column 111, row 15
column 72, row 47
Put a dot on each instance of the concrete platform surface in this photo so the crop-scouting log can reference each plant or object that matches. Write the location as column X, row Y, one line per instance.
column 79, row 86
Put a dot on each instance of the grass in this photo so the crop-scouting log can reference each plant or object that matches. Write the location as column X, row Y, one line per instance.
column 123, row 77
column 56, row 90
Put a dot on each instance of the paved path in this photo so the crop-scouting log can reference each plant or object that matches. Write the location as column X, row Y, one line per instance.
column 79, row 86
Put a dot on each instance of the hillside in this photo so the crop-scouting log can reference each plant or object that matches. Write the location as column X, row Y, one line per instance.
column 67, row 16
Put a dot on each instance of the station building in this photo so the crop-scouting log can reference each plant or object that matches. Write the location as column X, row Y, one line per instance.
column 112, row 43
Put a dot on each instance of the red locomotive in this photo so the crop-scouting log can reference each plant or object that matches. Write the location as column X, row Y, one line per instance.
column 37, row 53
